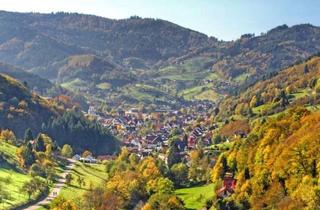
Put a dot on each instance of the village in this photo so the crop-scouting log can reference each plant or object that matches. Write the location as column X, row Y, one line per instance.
column 149, row 133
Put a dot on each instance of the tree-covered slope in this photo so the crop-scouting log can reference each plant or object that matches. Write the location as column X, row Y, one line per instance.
column 33, row 81
column 73, row 128
column 20, row 109
column 277, row 164
column 278, row 48
column 101, row 56
column 63, row 34
column 296, row 85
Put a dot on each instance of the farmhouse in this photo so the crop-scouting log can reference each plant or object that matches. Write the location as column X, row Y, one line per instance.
column 88, row 159
column 229, row 185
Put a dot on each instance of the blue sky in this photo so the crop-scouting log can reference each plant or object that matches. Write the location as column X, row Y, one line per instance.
column 224, row 19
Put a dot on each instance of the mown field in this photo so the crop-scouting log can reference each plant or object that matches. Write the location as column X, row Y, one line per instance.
column 11, row 179
column 195, row 197
column 203, row 92
column 192, row 69
column 93, row 175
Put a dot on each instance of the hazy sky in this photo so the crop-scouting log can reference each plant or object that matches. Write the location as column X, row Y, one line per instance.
column 224, row 19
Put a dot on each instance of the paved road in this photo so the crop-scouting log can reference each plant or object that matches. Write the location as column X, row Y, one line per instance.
column 56, row 188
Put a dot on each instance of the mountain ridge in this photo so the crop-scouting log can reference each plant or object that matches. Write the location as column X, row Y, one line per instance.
column 134, row 51
column 53, row 25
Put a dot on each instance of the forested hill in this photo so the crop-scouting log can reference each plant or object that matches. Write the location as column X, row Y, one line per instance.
column 33, row 81
column 296, row 85
column 277, row 164
column 278, row 48
column 37, row 40
column 101, row 56
column 20, row 109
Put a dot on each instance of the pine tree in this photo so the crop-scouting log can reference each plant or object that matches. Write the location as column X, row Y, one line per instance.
column 173, row 155
column 28, row 136
column 26, row 155
column 306, row 69
column 39, row 144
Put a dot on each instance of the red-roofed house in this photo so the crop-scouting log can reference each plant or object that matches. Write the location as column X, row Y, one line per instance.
column 229, row 185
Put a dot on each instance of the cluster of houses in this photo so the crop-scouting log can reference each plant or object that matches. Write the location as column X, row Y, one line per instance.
column 147, row 133
column 199, row 132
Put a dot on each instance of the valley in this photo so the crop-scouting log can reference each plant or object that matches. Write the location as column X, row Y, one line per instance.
column 144, row 114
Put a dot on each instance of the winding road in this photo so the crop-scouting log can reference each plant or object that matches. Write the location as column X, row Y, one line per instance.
column 56, row 188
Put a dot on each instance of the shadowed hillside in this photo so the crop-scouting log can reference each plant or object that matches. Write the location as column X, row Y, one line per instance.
column 20, row 109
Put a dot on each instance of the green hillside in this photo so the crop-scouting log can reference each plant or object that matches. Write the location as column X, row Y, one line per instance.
column 196, row 197
column 12, row 177
column 93, row 175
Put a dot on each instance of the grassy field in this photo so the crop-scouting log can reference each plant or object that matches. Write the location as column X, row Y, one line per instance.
column 103, row 86
column 241, row 78
column 262, row 108
column 8, row 150
column 191, row 69
column 196, row 197
column 185, row 76
column 145, row 93
column 11, row 180
column 212, row 76
column 12, row 177
column 138, row 93
column 93, row 174
column 203, row 92
column 74, row 84
column 302, row 93
column 208, row 95
column 297, row 95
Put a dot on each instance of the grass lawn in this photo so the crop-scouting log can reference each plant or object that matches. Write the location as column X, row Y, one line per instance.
column 315, row 108
column 212, row 76
column 222, row 146
column 241, row 78
column 262, row 108
column 137, row 93
column 203, row 92
column 145, row 93
column 74, row 84
column 8, row 150
column 91, row 173
column 189, row 70
column 196, row 197
column 103, row 86
column 11, row 180
column 185, row 76
column 208, row 95
column 302, row 93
